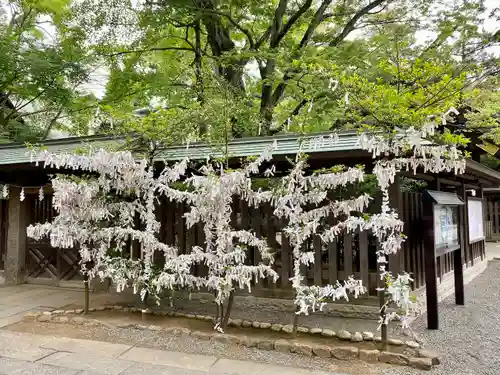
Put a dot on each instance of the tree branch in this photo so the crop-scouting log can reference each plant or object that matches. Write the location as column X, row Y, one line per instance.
column 230, row 18
column 351, row 25
column 280, row 89
column 263, row 38
column 304, row 8
column 52, row 123
column 150, row 50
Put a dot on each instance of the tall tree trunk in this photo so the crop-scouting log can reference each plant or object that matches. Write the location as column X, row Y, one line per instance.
column 219, row 38
column 87, row 292
column 230, row 303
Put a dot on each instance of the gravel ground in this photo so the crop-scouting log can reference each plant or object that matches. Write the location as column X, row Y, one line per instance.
column 469, row 336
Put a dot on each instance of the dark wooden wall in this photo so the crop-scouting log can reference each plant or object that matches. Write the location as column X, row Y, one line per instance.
column 352, row 254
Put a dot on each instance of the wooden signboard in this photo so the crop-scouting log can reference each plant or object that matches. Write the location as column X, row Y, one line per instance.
column 476, row 219
column 441, row 236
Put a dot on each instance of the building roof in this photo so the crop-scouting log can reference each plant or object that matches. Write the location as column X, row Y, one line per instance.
column 316, row 144
column 287, row 145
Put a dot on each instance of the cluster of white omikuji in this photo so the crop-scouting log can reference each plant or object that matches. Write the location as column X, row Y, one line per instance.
column 89, row 219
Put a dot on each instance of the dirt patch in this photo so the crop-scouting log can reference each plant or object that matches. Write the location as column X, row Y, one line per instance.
column 117, row 318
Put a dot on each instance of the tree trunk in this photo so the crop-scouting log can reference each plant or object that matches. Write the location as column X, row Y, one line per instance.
column 230, row 303
column 383, row 313
column 87, row 296
column 295, row 322
column 219, row 38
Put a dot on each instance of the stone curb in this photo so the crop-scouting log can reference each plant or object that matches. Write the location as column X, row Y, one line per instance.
column 424, row 359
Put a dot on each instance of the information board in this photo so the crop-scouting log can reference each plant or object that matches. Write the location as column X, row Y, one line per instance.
column 475, row 216
column 445, row 226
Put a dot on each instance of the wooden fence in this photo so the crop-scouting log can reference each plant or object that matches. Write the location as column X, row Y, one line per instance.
column 42, row 260
column 492, row 220
column 351, row 254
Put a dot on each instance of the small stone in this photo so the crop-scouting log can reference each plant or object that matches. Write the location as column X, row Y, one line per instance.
column 69, row 312
column 412, row 344
column 57, row 312
column 328, row 333
column 249, row 342
column 92, row 309
column 246, row 324
column 92, row 323
column 44, row 318
column 357, row 337
column 201, row 335
column 190, row 316
column 395, row 342
column 287, row 328
column 178, row 331
column 303, row 329
column 154, row 328
column 78, row 320
column 369, row 355
column 78, row 311
column 179, row 314
column 393, row 358
column 126, row 325
column 301, row 348
column 101, row 308
column 367, row 336
column 283, row 346
column 235, row 322
column 116, row 307
column 142, row 327
column 316, row 331
column 30, row 316
column 264, row 325
column 200, row 317
column 208, row 319
column 126, row 309
column 345, row 352
column 322, row 351
column 421, row 363
column 256, row 324
column 49, row 313
column 344, row 335
column 265, row 345
column 62, row 319
column 377, row 339
column 225, row 338
column 426, row 353
column 277, row 327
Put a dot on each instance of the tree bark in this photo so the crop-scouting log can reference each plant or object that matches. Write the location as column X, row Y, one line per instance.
column 230, row 303
column 87, row 292
column 219, row 38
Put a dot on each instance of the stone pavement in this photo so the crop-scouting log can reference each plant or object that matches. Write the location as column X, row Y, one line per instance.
column 24, row 353
column 17, row 300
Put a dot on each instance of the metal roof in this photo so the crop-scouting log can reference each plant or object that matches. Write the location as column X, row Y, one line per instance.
column 20, row 153
column 286, row 145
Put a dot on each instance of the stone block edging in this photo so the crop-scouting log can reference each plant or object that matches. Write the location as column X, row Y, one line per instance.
column 424, row 359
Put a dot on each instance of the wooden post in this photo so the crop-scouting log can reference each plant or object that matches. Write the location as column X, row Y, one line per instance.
column 458, row 255
column 18, row 214
column 430, row 267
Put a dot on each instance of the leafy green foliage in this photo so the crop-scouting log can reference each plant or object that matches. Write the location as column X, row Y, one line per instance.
column 43, row 64
column 229, row 69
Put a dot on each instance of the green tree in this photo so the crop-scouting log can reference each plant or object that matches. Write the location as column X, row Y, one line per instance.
column 43, row 65
column 234, row 68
